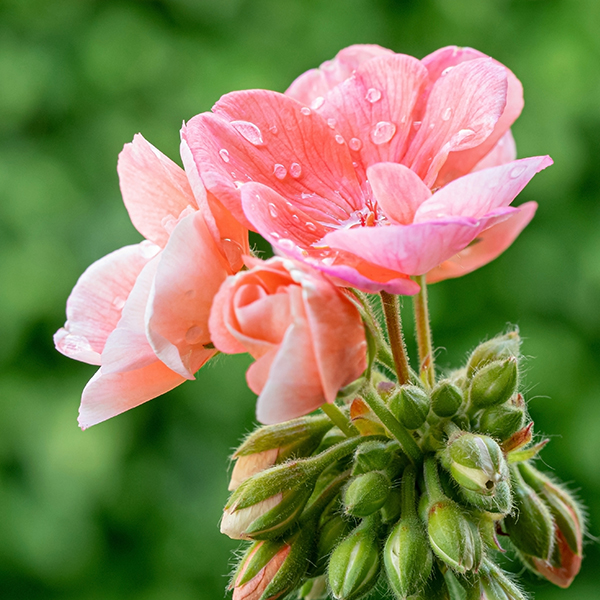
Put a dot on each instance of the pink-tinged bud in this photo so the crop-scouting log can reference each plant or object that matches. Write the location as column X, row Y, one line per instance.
column 236, row 522
column 246, row 466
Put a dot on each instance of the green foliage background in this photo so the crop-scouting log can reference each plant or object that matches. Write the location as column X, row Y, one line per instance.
column 130, row 508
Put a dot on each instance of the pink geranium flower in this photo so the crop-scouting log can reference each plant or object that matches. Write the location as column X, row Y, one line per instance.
column 307, row 337
column 141, row 312
column 375, row 167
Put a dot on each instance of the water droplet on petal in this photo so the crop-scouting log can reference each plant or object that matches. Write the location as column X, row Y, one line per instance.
column 447, row 114
column 118, row 302
column 311, row 226
column 148, row 249
column 224, row 155
column 447, row 70
column 373, row 95
column 339, row 139
column 331, row 123
column 355, row 144
column 295, row 218
column 279, row 171
column 190, row 293
column 518, row 171
column 286, row 244
column 295, row 170
column 249, row 131
column 317, row 102
column 272, row 210
column 273, row 129
column 305, row 110
column 274, row 235
column 233, row 253
column 416, row 125
column 464, row 134
column 383, row 132
column 194, row 334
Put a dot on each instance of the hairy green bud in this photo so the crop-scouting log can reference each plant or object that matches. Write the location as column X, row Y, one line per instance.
column 494, row 384
column 411, row 406
column 366, row 493
column 503, row 421
column 446, row 399
column 498, row 348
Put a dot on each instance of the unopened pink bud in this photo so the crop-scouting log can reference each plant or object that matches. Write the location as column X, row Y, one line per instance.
column 246, row 466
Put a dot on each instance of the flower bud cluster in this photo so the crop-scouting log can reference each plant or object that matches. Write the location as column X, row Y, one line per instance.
column 335, row 516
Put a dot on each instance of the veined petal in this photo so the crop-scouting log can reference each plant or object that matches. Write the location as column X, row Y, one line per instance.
column 189, row 274
column 412, row 249
column 154, row 188
column 488, row 245
column 95, row 304
column 398, row 190
column 317, row 82
column 503, row 152
column 373, row 109
column 478, row 193
column 272, row 139
column 462, row 111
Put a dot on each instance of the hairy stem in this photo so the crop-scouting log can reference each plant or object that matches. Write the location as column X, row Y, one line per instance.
column 391, row 311
column 339, row 419
column 426, row 366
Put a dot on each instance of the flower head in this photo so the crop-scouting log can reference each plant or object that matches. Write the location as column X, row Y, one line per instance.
column 141, row 312
column 375, row 167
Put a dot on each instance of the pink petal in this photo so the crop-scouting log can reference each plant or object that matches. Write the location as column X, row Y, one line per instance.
column 293, row 387
column 107, row 395
column 373, row 109
column 317, row 82
column 462, row 162
column 503, row 152
column 478, row 193
column 269, row 138
column 462, row 111
column 154, row 188
column 189, row 274
column 95, row 304
column 127, row 347
column 398, row 190
column 488, row 245
column 337, row 331
column 411, row 249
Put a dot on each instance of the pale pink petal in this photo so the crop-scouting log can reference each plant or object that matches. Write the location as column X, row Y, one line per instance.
column 155, row 190
column 189, row 274
column 337, row 331
column 317, row 82
column 127, row 347
column 478, row 193
column 107, row 395
column 412, row 249
column 462, row 111
column 503, row 152
column 488, row 245
column 95, row 304
column 398, row 190
column 373, row 110
column 293, row 387
column 263, row 136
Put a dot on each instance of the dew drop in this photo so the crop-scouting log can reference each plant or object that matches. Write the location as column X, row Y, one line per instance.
column 279, row 171
column 273, row 129
column 224, row 155
column 286, row 244
column 233, row 252
column 339, row 139
column 355, row 144
column 274, row 235
column 148, row 249
column 305, row 110
column 464, row 134
column 317, row 103
column 373, row 95
column 295, row 218
column 382, row 132
column 191, row 293
column 311, row 226
column 272, row 210
column 331, row 123
column 118, row 302
column 417, row 125
column 194, row 334
column 295, row 170
column 447, row 114
column 249, row 131
column 518, row 171
column 447, row 70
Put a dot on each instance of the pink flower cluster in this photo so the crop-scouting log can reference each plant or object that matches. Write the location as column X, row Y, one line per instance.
column 370, row 170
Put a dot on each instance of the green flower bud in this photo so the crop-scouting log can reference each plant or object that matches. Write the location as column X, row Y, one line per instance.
column 314, row 589
column 475, row 462
column 274, row 444
column 407, row 556
column 496, row 584
column 498, row 348
column 390, row 511
column 371, row 456
column 494, row 384
column 530, row 526
column 502, row 421
column 332, row 531
column 446, row 399
column 331, row 438
column 499, row 505
column 366, row 493
column 453, row 537
column 411, row 406
column 435, row 589
column 354, row 565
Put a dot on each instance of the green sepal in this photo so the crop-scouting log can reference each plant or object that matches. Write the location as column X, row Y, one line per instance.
column 501, row 421
column 390, row 511
column 314, row 589
column 500, row 504
column 517, row 456
column 331, row 533
column 497, row 585
column 371, row 456
column 494, row 384
column 410, row 406
column 446, row 399
column 498, row 348
column 366, row 493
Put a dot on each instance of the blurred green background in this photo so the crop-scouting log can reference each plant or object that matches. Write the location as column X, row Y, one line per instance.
column 130, row 508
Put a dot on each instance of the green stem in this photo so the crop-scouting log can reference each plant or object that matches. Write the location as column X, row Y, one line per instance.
column 391, row 311
column 404, row 437
column 421, row 309
column 339, row 419
column 432, row 481
column 327, row 495
column 409, row 480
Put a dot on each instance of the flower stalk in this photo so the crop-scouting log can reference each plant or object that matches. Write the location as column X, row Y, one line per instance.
column 339, row 419
column 423, row 329
column 391, row 310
